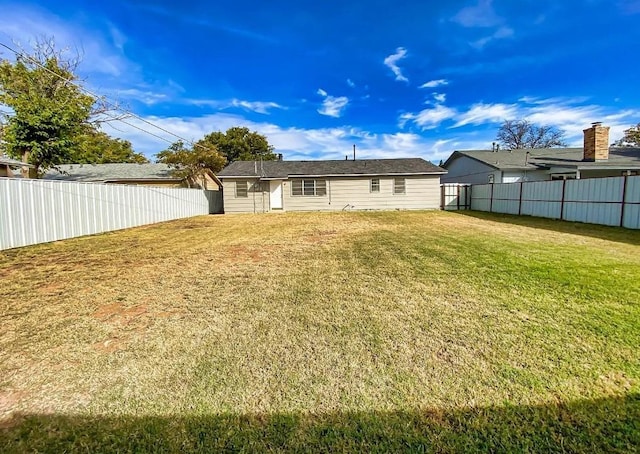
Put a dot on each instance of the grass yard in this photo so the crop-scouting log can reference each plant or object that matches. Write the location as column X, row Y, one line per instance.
column 381, row 331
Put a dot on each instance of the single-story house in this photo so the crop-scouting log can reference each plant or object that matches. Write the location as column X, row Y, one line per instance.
column 364, row 184
column 596, row 159
column 159, row 175
column 11, row 167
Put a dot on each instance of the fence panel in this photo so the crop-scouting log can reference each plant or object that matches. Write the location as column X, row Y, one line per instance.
column 37, row 211
column 506, row 198
column 594, row 201
column 542, row 199
column 481, row 197
column 454, row 196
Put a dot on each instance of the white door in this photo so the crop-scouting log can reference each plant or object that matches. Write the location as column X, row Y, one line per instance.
column 276, row 194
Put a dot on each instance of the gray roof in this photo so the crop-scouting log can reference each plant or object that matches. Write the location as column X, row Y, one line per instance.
column 7, row 161
column 286, row 169
column 545, row 158
column 111, row 172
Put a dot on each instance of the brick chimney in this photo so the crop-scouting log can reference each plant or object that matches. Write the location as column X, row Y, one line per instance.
column 596, row 143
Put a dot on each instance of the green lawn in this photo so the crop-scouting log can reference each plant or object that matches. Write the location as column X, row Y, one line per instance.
column 381, row 331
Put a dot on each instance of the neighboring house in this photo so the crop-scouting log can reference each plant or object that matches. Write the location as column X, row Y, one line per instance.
column 595, row 160
column 160, row 175
column 11, row 167
column 365, row 184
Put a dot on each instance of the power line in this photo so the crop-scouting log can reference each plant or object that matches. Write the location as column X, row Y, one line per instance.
column 112, row 105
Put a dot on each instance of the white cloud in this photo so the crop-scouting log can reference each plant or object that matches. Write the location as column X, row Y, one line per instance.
column 570, row 115
column 256, row 106
column 483, row 15
column 480, row 15
column 21, row 24
column 351, row 83
column 392, row 63
column 429, row 118
column 261, row 107
column 501, row 33
column 294, row 143
column 434, row 83
column 147, row 97
column 332, row 106
column 439, row 97
column 487, row 113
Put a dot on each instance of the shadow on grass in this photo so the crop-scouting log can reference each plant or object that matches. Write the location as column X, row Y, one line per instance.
column 604, row 425
column 617, row 234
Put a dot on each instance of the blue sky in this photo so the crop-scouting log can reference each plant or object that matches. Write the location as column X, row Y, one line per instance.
column 398, row 79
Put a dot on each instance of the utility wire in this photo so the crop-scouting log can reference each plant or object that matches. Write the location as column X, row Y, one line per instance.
column 108, row 103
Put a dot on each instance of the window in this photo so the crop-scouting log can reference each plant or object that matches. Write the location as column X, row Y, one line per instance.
column 375, row 185
column 398, row 186
column 241, row 188
column 309, row 188
column 565, row 176
column 260, row 186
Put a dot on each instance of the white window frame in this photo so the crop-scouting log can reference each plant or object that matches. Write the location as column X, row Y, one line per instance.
column 396, row 185
column 376, row 187
column 245, row 190
column 312, row 187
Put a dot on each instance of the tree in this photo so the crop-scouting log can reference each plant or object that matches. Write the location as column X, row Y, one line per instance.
column 50, row 112
column 96, row 147
column 192, row 163
column 518, row 134
column 631, row 137
column 240, row 144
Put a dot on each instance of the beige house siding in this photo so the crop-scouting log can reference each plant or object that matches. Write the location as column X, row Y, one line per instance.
column 352, row 193
column 422, row 192
column 255, row 202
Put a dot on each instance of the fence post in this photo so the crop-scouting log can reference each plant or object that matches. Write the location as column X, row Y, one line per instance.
column 458, row 197
column 624, row 200
column 564, row 185
column 467, row 196
column 520, row 200
column 491, row 200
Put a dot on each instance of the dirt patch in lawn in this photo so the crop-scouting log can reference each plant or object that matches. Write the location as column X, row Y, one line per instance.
column 117, row 312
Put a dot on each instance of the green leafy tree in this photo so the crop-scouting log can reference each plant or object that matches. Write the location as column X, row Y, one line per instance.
column 518, row 134
column 49, row 111
column 192, row 163
column 240, row 144
column 96, row 147
column 631, row 137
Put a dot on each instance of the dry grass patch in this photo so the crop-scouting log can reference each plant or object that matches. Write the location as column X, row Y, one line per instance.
column 389, row 331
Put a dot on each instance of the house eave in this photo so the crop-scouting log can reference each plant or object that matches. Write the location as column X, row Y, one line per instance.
column 336, row 175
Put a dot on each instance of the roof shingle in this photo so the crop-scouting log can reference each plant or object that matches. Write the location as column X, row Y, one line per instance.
column 285, row 169
column 110, row 172
column 550, row 157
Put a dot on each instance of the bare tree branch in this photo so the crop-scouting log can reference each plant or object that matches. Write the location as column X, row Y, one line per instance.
column 519, row 134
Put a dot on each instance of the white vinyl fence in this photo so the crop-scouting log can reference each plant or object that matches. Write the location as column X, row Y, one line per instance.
column 38, row 211
column 607, row 201
column 455, row 196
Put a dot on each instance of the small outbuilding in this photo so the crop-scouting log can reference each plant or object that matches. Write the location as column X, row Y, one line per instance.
column 364, row 184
